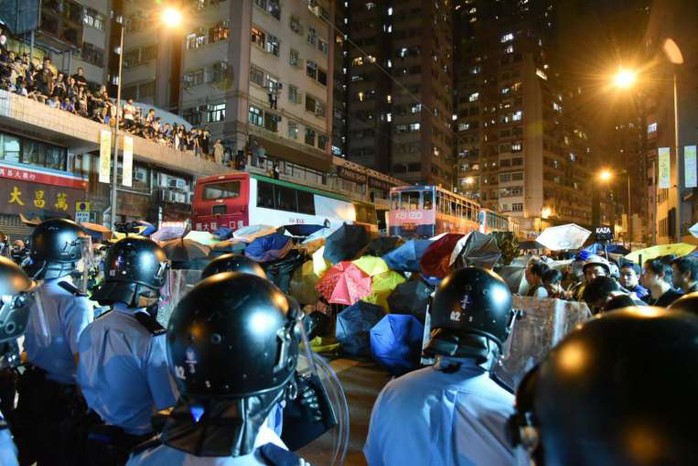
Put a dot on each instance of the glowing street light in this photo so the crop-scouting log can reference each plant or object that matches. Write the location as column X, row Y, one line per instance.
column 605, row 175
column 625, row 78
column 171, row 17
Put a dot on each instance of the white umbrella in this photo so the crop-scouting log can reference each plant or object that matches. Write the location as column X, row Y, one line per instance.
column 252, row 232
column 202, row 237
column 694, row 230
column 563, row 237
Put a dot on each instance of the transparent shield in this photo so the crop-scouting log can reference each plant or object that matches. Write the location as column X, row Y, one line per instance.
column 179, row 282
column 541, row 324
column 86, row 268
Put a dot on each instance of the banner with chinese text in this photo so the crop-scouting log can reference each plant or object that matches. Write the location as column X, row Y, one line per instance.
column 663, row 168
column 690, row 167
column 127, row 162
column 104, row 156
column 32, row 200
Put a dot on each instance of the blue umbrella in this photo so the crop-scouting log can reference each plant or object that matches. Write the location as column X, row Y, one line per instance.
column 353, row 326
column 396, row 342
column 598, row 248
column 268, row 248
column 406, row 257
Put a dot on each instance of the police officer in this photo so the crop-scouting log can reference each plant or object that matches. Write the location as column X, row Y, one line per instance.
column 233, row 346
column 49, row 402
column 618, row 391
column 451, row 413
column 123, row 371
column 13, row 281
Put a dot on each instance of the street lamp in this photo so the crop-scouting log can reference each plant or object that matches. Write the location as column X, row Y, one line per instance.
column 673, row 53
column 625, row 78
column 170, row 17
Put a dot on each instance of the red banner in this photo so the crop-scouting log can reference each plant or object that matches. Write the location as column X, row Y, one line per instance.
column 36, row 176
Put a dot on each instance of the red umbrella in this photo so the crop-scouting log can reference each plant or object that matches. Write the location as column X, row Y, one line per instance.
column 435, row 261
column 344, row 283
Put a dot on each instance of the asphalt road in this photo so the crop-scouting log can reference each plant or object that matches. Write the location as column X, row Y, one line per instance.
column 362, row 380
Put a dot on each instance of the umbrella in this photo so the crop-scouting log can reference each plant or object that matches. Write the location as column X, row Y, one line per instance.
column 320, row 264
column 371, row 265
column 353, row 327
column 96, row 231
column 382, row 285
column 145, row 228
column 694, row 230
column 223, row 232
column 303, row 283
column 345, row 243
column 320, row 234
column 513, row 275
column 202, row 237
column 344, row 283
column 168, row 231
column 383, row 244
column 435, row 261
column 301, row 229
column 598, row 248
column 406, row 257
column 184, row 250
column 235, row 246
column 30, row 222
column 279, row 271
column 410, row 298
column 268, row 248
column 563, row 237
column 251, row 232
column 678, row 249
column 475, row 250
column 396, row 342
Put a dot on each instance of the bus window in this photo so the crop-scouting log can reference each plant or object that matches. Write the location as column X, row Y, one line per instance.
column 409, row 201
column 395, row 201
column 265, row 195
column 285, row 198
column 221, row 190
column 428, row 200
column 306, row 202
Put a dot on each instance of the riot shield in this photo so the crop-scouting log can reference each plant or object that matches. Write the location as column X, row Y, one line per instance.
column 179, row 282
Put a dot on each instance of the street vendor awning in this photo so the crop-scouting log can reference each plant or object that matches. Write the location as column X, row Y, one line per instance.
column 310, row 158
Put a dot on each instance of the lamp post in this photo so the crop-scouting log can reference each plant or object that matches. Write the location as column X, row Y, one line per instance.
column 673, row 53
column 605, row 176
column 170, row 17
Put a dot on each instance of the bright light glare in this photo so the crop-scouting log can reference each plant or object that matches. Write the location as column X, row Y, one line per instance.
column 605, row 175
column 172, row 17
column 469, row 180
column 625, row 78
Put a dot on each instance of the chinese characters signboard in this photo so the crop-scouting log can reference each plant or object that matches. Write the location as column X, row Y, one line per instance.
column 663, row 168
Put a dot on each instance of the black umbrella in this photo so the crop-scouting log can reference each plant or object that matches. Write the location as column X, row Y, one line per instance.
column 345, row 243
column 479, row 250
column 410, row 298
column 280, row 271
column 182, row 250
column 383, row 245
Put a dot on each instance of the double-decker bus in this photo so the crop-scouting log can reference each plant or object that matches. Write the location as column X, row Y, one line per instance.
column 426, row 211
column 235, row 200
column 490, row 221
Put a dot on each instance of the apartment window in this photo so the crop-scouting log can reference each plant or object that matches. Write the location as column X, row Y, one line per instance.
column 92, row 54
column 322, row 142
column 272, row 45
column 295, row 25
column 93, row 18
column 216, row 112
column 311, row 69
column 256, row 76
column 312, row 36
column 311, row 103
column 323, row 46
column 507, row 37
column 292, row 130
column 517, row 207
column 194, row 78
column 258, row 37
column 517, row 116
column 319, row 109
column 516, row 161
column 652, row 127
column 218, row 32
column 294, row 58
column 194, row 41
column 294, row 96
column 474, row 97
column 218, row 72
column 516, row 146
column 310, row 136
column 256, row 116
column 274, row 8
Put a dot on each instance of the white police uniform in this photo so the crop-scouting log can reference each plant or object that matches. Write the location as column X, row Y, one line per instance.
column 8, row 450
column 268, row 450
column 433, row 417
column 123, row 371
column 53, row 329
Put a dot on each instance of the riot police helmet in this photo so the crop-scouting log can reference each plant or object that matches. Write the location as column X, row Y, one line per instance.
column 14, row 299
column 619, row 390
column 134, row 273
column 686, row 303
column 57, row 245
column 233, row 263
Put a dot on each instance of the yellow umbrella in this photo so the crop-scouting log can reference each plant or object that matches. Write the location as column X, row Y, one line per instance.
column 303, row 283
column 320, row 265
column 372, row 265
column 382, row 285
column 679, row 249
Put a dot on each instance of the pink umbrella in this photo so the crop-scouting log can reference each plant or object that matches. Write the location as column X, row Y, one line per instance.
column 344, row 283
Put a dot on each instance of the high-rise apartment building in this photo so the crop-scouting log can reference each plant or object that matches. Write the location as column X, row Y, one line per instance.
column 519, row 149
column 396, row 86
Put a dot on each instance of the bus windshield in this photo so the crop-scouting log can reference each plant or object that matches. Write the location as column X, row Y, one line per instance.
column 221, row 190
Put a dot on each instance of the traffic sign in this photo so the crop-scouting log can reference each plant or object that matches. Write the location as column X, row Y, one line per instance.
column 82, row 206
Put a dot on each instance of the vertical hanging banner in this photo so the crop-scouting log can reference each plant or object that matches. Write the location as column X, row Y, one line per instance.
column 104, row 156
column 127, row 162
column 690, row 167
column 664, row 168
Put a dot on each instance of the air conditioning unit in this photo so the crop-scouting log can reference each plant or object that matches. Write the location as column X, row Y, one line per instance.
column 141, row 175
column 181, row 184
column 162, row 180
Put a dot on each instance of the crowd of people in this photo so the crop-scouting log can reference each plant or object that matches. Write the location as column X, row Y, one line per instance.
column 605, row 284
column 226, row 383
column 44, row 83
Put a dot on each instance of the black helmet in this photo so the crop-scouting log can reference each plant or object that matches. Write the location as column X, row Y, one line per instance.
column 233, row 347
column 134, row 271
column 14, row 305
column 56, row 247
column 687, row 303
column 619, row 390
column 471, row 302
column 233, row 263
